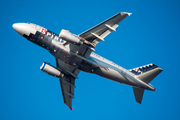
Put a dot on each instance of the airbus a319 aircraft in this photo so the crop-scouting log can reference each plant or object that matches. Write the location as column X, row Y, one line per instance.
column 74, row 53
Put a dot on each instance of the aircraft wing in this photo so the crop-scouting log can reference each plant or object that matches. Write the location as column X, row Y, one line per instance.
column 100, row 31
column 93, row 35
column 97, row 33
column 67, row 82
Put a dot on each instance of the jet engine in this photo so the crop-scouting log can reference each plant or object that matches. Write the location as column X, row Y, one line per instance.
column 66, row 35
column 51, row 70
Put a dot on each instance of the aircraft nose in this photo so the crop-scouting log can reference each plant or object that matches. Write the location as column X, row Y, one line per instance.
column 24, row 29
column 14, row 25
column 17, row 27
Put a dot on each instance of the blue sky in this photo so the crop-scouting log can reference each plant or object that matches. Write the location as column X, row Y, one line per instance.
column 149, row 35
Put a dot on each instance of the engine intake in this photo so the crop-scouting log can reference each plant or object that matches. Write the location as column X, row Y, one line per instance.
column 51, row 70
column 66, row 35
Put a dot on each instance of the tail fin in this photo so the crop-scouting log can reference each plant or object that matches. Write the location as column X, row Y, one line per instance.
column 138, row 93
column 145, row 73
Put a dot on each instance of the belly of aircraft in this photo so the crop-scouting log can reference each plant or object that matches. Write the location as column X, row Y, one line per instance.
column 114, row 75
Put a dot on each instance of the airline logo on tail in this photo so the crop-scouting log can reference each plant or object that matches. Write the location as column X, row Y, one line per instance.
column 143, row 69
column 136, row 71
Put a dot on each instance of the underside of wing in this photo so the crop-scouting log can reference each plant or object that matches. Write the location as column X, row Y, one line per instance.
column 67, row 82
column 67, row 89
column 100, row 31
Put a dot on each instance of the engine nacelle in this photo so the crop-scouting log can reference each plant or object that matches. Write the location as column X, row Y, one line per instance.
column 51, row 70
column 66, row 35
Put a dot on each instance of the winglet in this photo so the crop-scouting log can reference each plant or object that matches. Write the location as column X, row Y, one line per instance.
column 71, row 108
column 127, row 13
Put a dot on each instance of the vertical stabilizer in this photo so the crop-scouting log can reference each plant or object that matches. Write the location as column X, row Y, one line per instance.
column 138, row 93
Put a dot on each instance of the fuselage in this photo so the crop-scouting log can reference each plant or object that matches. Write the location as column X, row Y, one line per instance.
column 94, row 64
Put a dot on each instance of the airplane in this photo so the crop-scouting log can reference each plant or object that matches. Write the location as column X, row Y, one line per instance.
column 75, row 53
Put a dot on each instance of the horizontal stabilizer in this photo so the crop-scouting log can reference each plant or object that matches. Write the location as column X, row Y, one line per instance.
column 146, row 73
column 150, row 75
column 143, row 69
column 138, row 93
